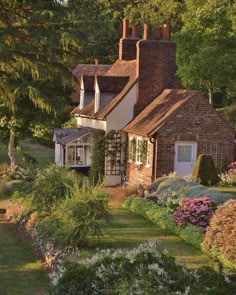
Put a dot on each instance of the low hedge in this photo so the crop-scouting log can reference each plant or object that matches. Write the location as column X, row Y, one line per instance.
column 161, row 217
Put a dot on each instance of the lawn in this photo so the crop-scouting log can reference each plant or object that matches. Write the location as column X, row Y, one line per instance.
column 41, row 153
column 127, row 230
column 21, row 273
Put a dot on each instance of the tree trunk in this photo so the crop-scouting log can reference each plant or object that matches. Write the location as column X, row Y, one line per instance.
column 11, row 150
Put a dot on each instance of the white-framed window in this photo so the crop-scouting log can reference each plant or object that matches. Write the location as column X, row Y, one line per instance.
column 148, row 159
column 132, row 149
column 138, row 150
column 78, row 152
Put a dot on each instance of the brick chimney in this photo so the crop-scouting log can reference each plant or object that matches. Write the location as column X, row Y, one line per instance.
column 156, row 66
column 127, row 45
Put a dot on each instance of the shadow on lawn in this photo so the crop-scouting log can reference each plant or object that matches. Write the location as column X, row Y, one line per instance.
column 21, row 272
column 127, row 230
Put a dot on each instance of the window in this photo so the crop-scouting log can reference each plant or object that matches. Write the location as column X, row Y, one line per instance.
column 139, row 150
column 148, row 159
column 184, row 153
column 78, row 152
column 131, row 149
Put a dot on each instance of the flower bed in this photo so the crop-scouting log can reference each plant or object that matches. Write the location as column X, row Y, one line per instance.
column 197, row 222
column 27, row 223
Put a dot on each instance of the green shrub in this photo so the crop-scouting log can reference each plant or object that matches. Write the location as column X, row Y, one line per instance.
column 142, row 270
column 8, row 187
column 193, row 234
column 76, row 217
column 157, row 182
column 172, row 183
column 52, row 185
column 97, row 171
column 163, row 218
column 220, row 238
column 195, row 191
column 205, row 170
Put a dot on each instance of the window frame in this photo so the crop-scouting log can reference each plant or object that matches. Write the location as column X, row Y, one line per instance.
column 138, row 159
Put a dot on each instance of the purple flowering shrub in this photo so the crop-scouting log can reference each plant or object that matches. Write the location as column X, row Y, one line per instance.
column 196, row 211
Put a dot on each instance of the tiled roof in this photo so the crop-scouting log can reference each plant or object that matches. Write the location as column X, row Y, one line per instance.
column 154, row 116
column 90, row 70
column 122, row 73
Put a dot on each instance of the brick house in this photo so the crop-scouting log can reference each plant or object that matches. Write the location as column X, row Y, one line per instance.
column 139, row 99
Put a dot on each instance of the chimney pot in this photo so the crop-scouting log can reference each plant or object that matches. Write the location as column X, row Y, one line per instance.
column 96, row 61
column 166, row 32
column 125, row 28
column 158, row 32
column 134, row 31
column 146, row 31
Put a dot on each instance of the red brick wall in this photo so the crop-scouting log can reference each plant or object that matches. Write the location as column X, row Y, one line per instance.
column 127, row 48
column 156, row 68
column 139, row 174
column 195, row 121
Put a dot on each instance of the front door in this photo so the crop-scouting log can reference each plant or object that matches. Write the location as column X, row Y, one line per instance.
column 185, row 157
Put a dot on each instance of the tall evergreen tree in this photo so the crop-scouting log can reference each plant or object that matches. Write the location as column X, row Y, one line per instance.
column 38, row 45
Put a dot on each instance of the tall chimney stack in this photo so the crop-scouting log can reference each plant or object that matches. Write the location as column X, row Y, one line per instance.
column 158, row 33
column 155, row 66
column 134, row 31
column 166, row 32
column 125, row 28
column 127, row 45
column 146, row 31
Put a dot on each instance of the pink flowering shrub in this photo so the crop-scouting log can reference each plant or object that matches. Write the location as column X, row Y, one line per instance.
column 232, row 172
column 220, row 238
column 232, row 167
column 196, row 211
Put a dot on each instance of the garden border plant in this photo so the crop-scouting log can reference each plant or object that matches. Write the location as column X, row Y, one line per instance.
column 141, row 270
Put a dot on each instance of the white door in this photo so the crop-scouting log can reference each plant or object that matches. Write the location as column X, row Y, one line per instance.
column 185, row 157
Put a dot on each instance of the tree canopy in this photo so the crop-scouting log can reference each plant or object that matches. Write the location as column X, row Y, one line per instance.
column 38, row 45
column 206, row 54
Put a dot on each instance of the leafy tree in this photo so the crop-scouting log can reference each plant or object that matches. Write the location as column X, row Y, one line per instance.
column 206, row 56
column 38, row 44
column 156, row 12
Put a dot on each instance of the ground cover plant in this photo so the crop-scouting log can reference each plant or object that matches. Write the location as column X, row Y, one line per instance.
column 141, row 270
column 166, row 186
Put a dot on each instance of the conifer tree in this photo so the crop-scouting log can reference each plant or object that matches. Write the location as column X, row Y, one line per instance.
column 39, row 42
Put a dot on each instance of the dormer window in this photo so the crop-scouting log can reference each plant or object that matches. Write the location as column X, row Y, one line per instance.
column 81, row 104
column 97, row 96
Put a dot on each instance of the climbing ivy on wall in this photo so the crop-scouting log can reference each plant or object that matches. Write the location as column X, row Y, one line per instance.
column 104, row 146
column 97, row 169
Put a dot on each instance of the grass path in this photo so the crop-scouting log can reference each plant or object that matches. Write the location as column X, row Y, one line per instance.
column 128, row 230
column 21, row 273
